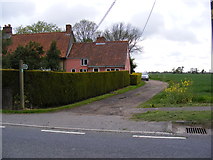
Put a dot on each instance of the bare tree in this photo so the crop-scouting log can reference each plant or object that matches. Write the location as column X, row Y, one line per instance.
column 125, row 32
column 85, row 31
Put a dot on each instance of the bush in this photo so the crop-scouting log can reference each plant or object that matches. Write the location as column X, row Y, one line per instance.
column 135, row 78
column 49, row 89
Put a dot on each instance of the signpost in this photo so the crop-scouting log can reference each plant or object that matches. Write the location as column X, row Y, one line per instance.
column 21, row 80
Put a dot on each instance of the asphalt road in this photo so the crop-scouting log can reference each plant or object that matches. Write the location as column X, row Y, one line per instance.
column 27, row 142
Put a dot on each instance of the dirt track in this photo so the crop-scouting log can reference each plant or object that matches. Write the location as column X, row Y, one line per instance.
column 123, row 104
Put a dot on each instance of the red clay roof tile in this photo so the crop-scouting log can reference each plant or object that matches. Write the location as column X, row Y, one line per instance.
column 108, row 53
column 45, row 39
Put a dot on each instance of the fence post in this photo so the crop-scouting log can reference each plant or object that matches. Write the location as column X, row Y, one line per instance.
column 21, row 79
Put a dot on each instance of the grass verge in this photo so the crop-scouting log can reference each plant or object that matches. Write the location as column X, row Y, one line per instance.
column 198, row 93
column 87, row 101
column 195, row 117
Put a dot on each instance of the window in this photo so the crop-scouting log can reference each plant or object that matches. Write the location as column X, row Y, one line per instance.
column 95, row 69
column 84, row 62
column 73, row 70
column 83, row 70
column 112, row 69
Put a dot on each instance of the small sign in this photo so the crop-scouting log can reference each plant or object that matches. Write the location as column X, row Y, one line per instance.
column 25, row 66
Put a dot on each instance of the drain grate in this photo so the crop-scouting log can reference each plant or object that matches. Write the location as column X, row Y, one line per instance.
column 196, row 130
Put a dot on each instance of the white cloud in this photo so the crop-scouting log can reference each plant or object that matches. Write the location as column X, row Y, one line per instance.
column 178, row 32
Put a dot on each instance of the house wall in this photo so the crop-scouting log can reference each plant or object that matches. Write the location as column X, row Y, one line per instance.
column 74, row 64
column 103, row 69
column 61, row 64
column 127, row 65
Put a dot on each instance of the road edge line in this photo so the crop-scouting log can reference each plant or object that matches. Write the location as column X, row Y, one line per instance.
column 85, row 129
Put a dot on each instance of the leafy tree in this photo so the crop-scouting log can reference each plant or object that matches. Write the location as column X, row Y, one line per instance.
column 53, row 57
column 132, row 65
column 178, row 70
column 85, row 31
column 125, row 32
column 38, row 27
column 30, row 54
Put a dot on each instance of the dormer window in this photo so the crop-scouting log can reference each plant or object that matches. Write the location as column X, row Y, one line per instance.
column 84, row 62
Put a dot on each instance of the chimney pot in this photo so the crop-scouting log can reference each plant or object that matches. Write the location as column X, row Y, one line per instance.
column 7, row 29
column 68, row 28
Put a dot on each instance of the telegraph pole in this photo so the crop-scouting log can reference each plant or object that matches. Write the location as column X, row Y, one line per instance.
column 21, row 80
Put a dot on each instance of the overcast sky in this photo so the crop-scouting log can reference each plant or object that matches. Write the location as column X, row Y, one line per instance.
column 178, row 32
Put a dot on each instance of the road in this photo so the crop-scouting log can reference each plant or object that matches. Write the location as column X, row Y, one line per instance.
column 28, row 142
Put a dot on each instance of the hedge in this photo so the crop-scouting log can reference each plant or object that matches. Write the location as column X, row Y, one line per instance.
column 135, row 78
column 50, row 89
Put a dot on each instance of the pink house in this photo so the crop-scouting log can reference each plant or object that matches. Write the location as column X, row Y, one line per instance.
column 96, row 56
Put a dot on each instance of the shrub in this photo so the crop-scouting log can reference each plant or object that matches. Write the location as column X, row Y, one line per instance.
column 179, row 93
column 135, row 78
column 49, row 89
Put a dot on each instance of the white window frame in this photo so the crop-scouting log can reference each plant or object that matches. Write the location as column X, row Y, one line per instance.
column 83, row 70
column 73, row 69
column 83, row 62
column 96, row 68
column 112, row 69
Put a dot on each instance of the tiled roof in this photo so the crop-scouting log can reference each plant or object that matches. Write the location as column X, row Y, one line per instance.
column 45, row 39
column 101, row 53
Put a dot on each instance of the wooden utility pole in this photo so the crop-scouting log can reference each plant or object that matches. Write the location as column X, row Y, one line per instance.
column 21, row 80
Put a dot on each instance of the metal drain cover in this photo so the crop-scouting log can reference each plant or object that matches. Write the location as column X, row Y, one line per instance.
column 196, row 130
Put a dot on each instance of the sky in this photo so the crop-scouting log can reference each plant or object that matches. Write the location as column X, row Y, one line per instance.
column 178, row 32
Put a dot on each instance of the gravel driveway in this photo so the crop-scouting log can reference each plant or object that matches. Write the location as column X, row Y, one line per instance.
column 123, row 104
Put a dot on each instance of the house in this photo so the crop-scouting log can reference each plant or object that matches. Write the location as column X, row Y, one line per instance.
column 63, row 40
column 96, row 56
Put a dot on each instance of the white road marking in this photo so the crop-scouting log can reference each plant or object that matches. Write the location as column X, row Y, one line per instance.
column 2, row 126
column 54, row 131
column 87, row 129
column 160, row 137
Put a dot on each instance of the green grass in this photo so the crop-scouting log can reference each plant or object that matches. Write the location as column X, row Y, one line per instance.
column 87, row 101
column 201, row 90
column 196, row 117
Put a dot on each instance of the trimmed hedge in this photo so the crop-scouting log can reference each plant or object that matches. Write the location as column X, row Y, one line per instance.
column 135, row 78
column 50, row 89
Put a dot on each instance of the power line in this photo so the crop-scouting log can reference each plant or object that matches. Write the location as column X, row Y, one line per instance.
column 148, row 17
column 105, row 15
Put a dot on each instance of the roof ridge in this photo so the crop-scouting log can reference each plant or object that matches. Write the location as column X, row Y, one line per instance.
column 100, row 42
column 26, row 34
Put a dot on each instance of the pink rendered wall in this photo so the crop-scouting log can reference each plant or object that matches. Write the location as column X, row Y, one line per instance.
column 127, row 65
column 74, row 64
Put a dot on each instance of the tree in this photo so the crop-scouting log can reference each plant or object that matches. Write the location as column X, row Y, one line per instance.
column 30, row 54
column 85, row 31
column 53, row 57
column 178, row 70
column 132, row 65
column 125, row 32
column 38, row 27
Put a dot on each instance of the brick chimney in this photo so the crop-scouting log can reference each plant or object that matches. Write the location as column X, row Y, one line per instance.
column 7, row 29
column 100, row 39
column 68, row 28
